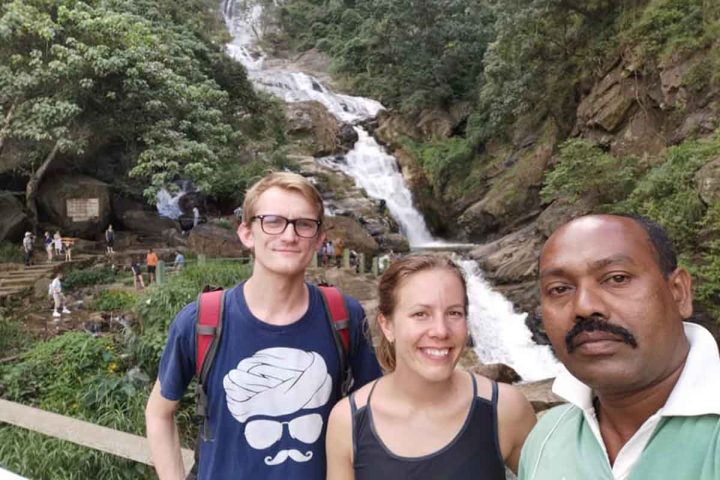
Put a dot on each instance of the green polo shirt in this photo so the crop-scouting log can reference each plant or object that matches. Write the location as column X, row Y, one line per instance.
column 679, row 442
column 563, row 447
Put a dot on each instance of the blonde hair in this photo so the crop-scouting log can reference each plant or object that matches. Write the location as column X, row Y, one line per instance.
column 286, row 181
column 390, row 282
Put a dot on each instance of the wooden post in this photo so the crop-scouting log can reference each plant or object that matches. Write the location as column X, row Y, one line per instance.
column 375, row 266
column 346, row 258
column 361, row 263
column 160, row 277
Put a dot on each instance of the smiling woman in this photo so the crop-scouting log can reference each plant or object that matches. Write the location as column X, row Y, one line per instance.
column 462, row 426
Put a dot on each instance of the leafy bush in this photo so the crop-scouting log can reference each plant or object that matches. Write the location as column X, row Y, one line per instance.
column 667, row 193
column 93, row 276
column 585, row 170
column 10, row 253
column 159, row 305
column 109, row 300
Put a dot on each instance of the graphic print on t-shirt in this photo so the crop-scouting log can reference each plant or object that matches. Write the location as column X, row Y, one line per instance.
column 277, row 382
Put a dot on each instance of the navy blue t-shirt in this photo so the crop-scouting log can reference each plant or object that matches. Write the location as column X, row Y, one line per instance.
column 270, row 389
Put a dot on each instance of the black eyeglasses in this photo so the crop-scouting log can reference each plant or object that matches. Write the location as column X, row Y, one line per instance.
column 276, row 225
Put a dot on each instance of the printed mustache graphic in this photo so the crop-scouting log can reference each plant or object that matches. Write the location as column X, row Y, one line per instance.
column 597, row 323
column 293, row 454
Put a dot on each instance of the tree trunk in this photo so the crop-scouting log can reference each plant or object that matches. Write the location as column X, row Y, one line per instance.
column 33, row 183
column 6, row 126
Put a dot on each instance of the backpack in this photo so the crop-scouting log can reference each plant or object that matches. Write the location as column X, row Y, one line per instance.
column 208, row 332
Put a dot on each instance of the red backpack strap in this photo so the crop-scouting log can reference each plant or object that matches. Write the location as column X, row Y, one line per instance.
column 337, row 314
column 208, row 329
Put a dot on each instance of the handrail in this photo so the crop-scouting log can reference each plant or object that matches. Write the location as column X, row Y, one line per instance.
column 80, row 432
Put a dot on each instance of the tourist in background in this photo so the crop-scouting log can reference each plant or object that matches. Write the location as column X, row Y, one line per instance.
column 426, row 419
column 152, row 261
column 196, row 216
column 57, row 241
column 109, row 240
column 136, row 270
column 56, row 292
column 68, row 243
column 48, row 244
column 27, row 248
column 643, row 386
column 179, row 260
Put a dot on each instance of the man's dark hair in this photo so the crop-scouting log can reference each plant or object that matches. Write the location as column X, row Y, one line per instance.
column 664, row 249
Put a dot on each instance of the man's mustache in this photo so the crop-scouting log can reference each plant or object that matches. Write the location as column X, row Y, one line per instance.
column 283, row 455
column 597, row 323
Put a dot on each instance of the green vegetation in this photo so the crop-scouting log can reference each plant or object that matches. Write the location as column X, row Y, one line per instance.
column 10, row 253
column 104, row 379
column 85, row 277
column 111, row 300
column 147, row 78
column 585, row 170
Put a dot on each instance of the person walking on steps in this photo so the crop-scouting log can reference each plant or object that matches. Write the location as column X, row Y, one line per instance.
column 48, row 244
column 27, row 247
column 59, row 300
column 109, row 240
column 284, row 358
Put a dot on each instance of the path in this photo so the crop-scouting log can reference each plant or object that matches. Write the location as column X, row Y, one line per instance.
column 15, row 283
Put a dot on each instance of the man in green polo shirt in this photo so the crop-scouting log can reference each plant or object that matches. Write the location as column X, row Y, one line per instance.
column 643, row 386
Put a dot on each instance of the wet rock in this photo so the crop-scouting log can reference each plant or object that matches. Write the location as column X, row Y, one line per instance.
column 312, row 128
column 560, row 212
column 540, row 395
column 146, row 222
column 512, row 258
column 57, row 190
column 353, row 235
column 14, row 221
column 215, row 241
column 497, row 371
column 347, row 137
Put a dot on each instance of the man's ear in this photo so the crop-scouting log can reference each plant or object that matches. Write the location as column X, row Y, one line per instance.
column 246, row 236
column 680, row 285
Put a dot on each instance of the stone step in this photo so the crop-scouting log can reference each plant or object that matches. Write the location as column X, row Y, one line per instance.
column 16, row 282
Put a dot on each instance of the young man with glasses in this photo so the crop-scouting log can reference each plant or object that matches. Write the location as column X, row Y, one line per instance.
column 276, row 374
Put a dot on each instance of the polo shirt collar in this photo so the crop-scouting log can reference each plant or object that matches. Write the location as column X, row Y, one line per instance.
column 697, row 391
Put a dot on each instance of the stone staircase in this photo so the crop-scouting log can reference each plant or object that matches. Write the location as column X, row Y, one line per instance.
column 16, row 283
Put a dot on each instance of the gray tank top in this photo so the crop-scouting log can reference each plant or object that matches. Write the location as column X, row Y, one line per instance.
column 474, row 453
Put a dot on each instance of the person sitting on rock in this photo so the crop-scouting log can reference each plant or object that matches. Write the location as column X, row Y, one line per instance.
column 56, row 292
column 462, row 426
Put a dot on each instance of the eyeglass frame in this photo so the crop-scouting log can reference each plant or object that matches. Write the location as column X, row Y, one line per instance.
column 287, row 222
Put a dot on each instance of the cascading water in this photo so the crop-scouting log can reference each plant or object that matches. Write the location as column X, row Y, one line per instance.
column 500, row 334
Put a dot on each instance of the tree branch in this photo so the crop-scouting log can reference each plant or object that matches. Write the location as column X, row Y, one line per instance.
column 32, row 185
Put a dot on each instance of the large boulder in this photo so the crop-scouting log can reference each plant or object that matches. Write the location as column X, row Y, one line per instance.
column 79, row 205
column 540, row 394
column 353, row 235
column 707, row 180
column 145, row 221
column 14, row 221
column 312, row 127
column 216, row 241
column 512, row 258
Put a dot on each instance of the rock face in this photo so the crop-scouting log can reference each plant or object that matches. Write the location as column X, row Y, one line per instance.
column 58, row 192
column 216, row 241
column 145, row 222
column 312, row 127
column 511, row 259
column 14, row 221
column 352, row 234
column 707, row 180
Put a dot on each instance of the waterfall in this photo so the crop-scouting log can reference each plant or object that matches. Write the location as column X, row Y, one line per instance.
column 168, row 204
column 500, row 334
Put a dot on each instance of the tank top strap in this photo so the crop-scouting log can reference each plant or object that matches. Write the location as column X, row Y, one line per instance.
column 353, row 405
column 372, row 389
column 474, row 384
column 494, row 393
